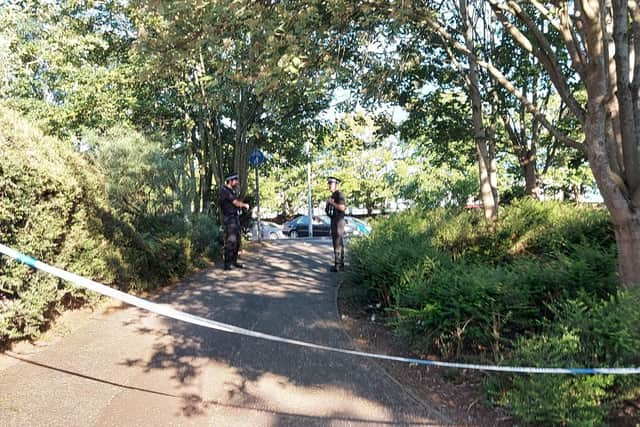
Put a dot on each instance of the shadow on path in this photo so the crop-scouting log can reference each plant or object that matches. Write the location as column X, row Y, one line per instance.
column 285, row 290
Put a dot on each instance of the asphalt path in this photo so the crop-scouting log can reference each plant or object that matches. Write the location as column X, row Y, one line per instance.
column 127, row 367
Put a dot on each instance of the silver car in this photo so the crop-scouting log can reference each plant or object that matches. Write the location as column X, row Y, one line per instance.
column 270, row 230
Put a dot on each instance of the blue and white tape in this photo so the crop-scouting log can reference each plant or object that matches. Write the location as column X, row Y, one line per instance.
column 201, row 321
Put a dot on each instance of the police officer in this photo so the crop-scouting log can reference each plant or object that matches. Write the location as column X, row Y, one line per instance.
column 335, row 208
column 230, row 206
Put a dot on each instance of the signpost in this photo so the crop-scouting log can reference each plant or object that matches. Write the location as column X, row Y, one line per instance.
column 256, row 158
column 309, row 201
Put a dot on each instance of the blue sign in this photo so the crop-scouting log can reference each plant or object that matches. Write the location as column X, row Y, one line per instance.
column 256, row 158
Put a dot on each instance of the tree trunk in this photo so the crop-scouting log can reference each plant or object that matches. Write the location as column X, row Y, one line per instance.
column 628, row 243
column 247, row 111
column 530, row 170
column 206, row 189
column 527, row 157
column 493, row 169
column 625, row 214
column 613, row 151
column 486, row 165
column 489, row 203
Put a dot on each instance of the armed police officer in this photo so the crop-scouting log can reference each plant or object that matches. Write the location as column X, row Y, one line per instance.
column 230, row 206
column 335, row 208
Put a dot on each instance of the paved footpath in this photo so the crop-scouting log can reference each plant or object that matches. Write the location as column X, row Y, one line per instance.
column 127, row 367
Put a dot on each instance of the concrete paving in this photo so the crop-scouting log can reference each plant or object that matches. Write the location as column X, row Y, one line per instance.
column 128, row 367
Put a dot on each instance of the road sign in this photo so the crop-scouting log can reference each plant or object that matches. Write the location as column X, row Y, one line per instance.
column 256, row 158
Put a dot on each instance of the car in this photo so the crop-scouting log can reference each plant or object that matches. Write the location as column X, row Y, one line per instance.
column 356, row 227
column 299, row 227
column 270, row 230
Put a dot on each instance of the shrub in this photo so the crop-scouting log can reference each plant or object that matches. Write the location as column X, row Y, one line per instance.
column 54, row 208
column 587, row 332
column 539, row 291
column 205, row 236
column 48, row 195
column 396, row 244
column 542, row 228
column 427, row 268
column 527, row 228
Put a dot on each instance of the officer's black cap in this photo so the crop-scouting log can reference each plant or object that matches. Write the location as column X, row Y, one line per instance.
column 333, row 179
column 231, row 177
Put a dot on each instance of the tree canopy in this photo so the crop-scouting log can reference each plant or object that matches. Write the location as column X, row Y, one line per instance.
column 505, row 88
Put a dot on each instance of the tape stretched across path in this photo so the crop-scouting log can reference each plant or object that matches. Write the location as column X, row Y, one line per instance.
column 201, row 321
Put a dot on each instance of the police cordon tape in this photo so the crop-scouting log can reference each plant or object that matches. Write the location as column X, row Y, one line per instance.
column 212, row 324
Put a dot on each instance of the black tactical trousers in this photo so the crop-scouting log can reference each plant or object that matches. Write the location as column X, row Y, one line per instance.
column 337, row 235
column 231, row 241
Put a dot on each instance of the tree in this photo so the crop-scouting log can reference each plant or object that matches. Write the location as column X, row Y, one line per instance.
column 598, row 36
column 139, row 175
column 355, row 150
column 414, row 58
column 241, row 75
column 66, row 65
column 535, row 149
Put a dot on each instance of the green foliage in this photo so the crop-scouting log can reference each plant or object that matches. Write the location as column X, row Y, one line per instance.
column 433, row 186
column 53, row 206
column 527, row 228
column 549, row 227
column 66, row 68
column 205, row 236
column 558, row 399
column 540, row 291
column 477, row 308
column 463, row 288
column 354, row 150
column 440, row 122
column 586, row 333
column 48, row 197
column 380, row 262
column 140, row 176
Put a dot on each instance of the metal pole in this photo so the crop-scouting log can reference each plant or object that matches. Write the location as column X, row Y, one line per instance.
column 309, row 202
column 258, row 206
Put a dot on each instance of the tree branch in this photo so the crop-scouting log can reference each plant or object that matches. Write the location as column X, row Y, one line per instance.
column 544, row 53
column 628, row 124
column 504, row 82
column 634, row 9
column 545, row 12
column 500, row 78
column 572, row 41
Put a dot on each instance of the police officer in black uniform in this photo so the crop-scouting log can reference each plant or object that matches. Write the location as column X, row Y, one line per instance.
column 230, row 206
column 335, row 208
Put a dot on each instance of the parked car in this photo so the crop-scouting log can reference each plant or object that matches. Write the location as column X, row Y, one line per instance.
column 356, row 227
column 270, row 230
column 299, row 227
column 321, row 227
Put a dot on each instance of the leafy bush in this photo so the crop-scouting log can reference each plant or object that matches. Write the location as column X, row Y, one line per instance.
column 136, row 170
column 378, row 263
column 539, row 291
column 477, row 308
column 205, row 236
column 527, row 228
column 586, row 333
column 53, row 206
column 551, row 227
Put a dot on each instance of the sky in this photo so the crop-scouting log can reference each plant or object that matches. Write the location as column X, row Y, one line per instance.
column 398, row 114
